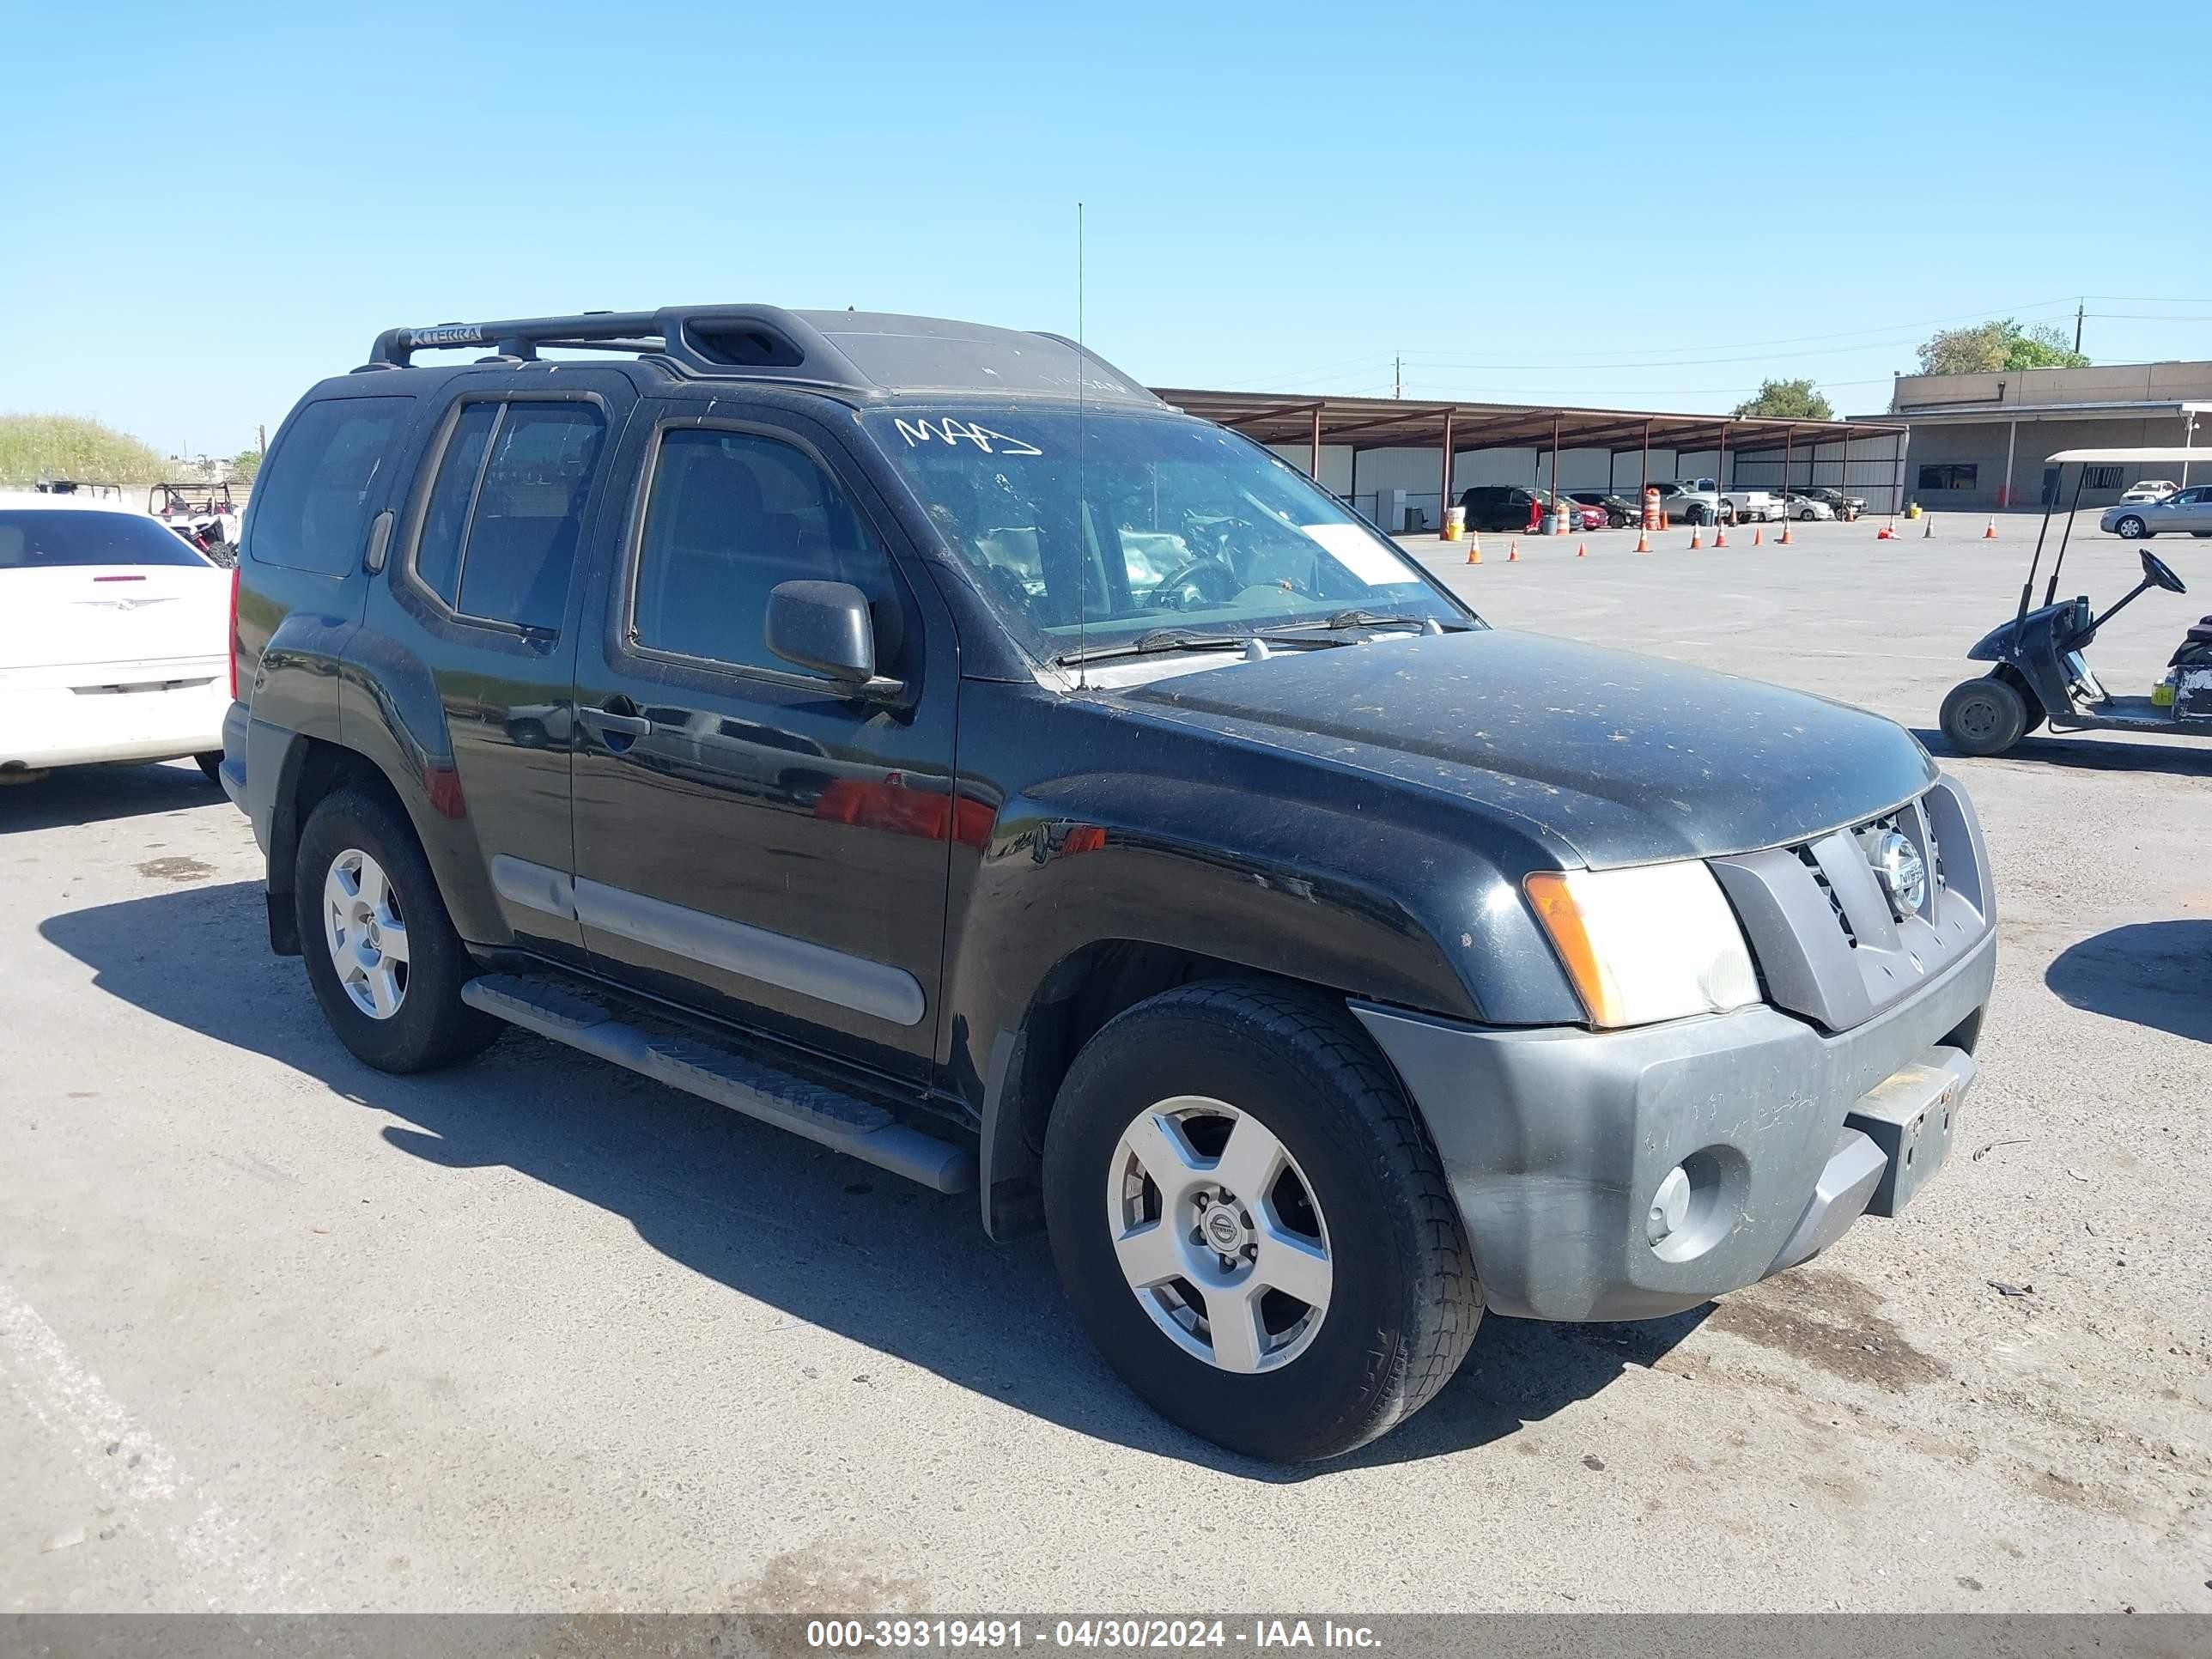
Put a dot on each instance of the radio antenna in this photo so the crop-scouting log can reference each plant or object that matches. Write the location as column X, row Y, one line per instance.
column 1082, row 498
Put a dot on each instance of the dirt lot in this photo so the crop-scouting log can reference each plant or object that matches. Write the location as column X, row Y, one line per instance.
column 282, row 1332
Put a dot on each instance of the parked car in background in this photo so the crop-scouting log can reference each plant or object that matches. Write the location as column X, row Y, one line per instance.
column 114, row 638
column 1837, row 502
column 1753, row 505
column 1798, row 505
column 1506, row 506
column 1685, row 503
column 1619, row 510
column 2149, row 490
column 2180, row 511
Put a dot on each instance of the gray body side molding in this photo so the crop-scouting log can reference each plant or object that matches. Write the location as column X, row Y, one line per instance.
column 875, row 988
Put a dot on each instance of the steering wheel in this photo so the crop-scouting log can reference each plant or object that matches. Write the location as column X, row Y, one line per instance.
column 2155, row 570
column 1207, row 580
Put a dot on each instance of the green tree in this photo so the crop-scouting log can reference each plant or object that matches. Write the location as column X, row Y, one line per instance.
column 34, row 446
column 1787, row 400
column 2000, row 346
column 244, row 465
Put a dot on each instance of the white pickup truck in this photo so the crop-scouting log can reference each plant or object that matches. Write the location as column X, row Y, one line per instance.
column 1701, row 501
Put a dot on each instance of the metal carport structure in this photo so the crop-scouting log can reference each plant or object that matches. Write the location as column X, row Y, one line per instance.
column 1456, row 429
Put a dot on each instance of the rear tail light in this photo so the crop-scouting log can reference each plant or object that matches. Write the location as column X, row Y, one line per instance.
column 234, row 633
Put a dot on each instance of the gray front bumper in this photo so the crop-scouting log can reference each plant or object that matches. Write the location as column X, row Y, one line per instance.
column 1556, row 1141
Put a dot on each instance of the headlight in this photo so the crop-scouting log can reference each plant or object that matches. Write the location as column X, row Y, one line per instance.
column 1656, row 942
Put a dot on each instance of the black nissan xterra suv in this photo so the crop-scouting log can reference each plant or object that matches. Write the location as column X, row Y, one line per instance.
column 917, row 736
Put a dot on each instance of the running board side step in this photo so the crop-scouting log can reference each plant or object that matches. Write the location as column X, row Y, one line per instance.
column 827, row 1116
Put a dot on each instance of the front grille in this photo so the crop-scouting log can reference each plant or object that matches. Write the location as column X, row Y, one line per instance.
column 1812, row 864
column 1820, row 921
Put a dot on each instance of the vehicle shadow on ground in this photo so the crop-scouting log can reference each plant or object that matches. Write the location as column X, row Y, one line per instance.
column 820, row 1237
column 93, row 795
column 2157, row 974
column 2091, row 751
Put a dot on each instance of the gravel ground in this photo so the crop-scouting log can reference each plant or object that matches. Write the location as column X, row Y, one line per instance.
column 281, row 1332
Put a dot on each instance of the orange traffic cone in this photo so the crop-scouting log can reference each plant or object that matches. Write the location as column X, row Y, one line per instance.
column 1758, row 535
column 1643, row 541
column 1582, row 551
column 1697, row 537
column 1513, row 554
column 1720, row 535
column 1991, row 534
column 1886, row 533
column 1783, row 539
column 1474, row 548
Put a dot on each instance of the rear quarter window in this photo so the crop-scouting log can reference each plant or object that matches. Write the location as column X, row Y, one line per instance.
column 312, row 504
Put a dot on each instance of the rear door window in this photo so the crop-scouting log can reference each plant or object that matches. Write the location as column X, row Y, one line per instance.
column 312, row 505
column 500, row 528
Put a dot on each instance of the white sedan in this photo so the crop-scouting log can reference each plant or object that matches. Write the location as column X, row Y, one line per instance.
column 114, row 638
column 1807, row 507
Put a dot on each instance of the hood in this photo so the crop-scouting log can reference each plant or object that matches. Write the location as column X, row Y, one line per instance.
column 1615, row 758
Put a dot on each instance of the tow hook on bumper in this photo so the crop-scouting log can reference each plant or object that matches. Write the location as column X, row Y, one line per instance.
column 1895, row 1136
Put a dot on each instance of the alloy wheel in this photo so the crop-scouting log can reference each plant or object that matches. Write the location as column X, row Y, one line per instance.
column 1218, row 1234
column 366, row 934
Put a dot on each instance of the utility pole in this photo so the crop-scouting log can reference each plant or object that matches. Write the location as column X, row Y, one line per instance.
column 260, row 440
column 2080, row 307
column 1398, row 377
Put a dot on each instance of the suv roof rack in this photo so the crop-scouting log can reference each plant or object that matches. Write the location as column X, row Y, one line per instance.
column 857, row 353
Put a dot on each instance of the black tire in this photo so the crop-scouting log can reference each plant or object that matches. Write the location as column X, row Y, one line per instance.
column 210, row 761
column 432, row 1026
column 1984, row 716
column 1404, row 1300
column 2130, row 529
column 1806, row 516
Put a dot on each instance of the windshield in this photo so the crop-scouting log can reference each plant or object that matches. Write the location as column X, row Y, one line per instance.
column 1182, row 524
column 42, row 538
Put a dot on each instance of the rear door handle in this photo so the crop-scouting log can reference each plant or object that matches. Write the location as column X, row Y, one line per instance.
column 604, row 720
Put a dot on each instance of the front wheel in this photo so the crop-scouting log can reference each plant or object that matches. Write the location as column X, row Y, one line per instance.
column 1985, row 716
column 2130, row 528
column 381, row 953
column 1251, row 1224
column 1806, row 516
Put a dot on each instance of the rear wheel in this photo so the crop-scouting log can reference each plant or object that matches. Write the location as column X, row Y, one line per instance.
column 1985, row 716
column 381, row 953
column 210, row 761
column 1251, row 1223
column 2130, row 528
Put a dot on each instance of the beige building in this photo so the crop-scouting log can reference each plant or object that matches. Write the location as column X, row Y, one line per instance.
column 1978, row 442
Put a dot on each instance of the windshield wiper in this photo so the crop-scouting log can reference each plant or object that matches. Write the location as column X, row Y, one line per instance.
column 1344, row 620
column 1159, row 638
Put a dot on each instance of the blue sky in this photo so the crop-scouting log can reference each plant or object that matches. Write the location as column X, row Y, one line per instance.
column 1597, row 204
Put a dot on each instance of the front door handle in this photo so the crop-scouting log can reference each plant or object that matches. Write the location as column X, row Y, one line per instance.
column 615, row 724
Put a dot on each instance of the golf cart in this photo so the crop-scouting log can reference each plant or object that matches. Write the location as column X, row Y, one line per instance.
column 203, row 513
column 2040, row 672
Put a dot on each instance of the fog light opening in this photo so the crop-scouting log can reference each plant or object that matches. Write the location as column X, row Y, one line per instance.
column 1696, row 1203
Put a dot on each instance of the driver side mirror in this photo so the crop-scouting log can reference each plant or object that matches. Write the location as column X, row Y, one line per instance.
column 824, row 627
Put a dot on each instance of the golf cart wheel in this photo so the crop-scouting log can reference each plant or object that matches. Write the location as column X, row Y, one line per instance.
column 1985, row 716
column 1251, row 1224
column 2132, row 528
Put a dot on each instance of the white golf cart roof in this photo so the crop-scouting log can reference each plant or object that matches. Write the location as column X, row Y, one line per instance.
column 2120, row 456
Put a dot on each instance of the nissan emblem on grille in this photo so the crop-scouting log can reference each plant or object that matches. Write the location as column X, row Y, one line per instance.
column 1902, row 874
